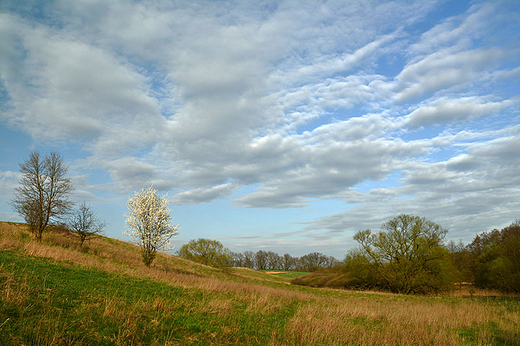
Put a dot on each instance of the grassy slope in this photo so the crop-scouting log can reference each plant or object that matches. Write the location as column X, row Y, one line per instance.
column 54, row 293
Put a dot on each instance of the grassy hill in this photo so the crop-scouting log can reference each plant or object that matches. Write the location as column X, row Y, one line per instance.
column 55, row 293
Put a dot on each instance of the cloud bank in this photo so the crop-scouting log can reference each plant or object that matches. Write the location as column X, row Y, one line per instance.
column 292, row 103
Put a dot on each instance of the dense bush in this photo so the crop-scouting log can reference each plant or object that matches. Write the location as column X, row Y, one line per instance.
column 208, row 252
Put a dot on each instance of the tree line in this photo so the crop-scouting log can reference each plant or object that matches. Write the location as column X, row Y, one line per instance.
column 269, row 260
column 408, row 255
column 213, row 253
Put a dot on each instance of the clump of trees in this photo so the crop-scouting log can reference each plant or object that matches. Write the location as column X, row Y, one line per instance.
column 42, row 199
column 208, row 252
column 42, row 196
column 149, row 223
column 491, row 260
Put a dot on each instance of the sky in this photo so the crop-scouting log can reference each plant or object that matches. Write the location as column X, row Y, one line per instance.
column 276, row 125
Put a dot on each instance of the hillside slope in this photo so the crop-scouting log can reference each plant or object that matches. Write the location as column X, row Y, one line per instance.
column 57, row 294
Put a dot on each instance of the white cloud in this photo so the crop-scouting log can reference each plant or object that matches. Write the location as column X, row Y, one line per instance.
column 290, row 102
column 66, row 88
column 442, row 70
column 202, row 195
column 329, row 168
column 444, row 110
column 457, row 30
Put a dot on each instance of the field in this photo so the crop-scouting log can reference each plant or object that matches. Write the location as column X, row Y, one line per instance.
column 55, row 293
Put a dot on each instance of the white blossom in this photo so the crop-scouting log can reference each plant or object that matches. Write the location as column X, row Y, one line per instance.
column 149, row 223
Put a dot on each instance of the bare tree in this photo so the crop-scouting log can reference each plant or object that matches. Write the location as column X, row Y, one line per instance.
column 274, row 261
column 249, row 259
column 238, row 259
column 312, row 261
column 84, row 223
column 288, row 262
column 261, row 260
column 42, row 196
column 149, row 223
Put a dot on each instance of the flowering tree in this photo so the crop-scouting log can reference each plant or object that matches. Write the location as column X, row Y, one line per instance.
column 149, row 223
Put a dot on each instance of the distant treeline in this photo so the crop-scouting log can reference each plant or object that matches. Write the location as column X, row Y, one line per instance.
column 409, row 255
column 269, row 260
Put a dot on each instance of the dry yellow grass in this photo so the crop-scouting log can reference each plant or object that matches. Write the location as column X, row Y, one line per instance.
column 320, row 317
column 401, row 322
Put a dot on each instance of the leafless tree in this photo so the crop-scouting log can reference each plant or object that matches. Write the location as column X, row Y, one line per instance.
column 273, row 260
column 261, row 260
column 288, row 262
column 42, row 196
column 312, row 261
column 85, row 224
column 249, row 259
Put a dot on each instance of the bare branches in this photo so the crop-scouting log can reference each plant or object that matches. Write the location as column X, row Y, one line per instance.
column 84, row 223
column 42, row 196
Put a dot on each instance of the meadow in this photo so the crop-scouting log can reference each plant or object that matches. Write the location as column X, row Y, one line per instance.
column 56, row 293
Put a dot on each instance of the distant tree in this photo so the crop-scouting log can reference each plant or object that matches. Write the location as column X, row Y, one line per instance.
column 288, row 262
column 462, row 260
column 149, row 223
column 313, row 261
column 510, row 252
column 206, row 251
column 238, row 259
column 84, row 223
column 249, row 259
column 274, row 261
column 408, row 255
column 484, row 250
column 330, row 262
column 261, row 260
column 43, row 194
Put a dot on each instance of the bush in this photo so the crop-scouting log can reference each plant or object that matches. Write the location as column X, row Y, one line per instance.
column 208, row 252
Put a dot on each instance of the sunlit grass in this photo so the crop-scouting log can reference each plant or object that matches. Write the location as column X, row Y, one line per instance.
column 56, row 293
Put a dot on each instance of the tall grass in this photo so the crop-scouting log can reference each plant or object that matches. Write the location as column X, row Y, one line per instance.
column 56, row 293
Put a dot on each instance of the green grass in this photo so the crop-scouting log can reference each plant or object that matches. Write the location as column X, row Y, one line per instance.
column 286, row 274
column 73, row 305
column 55, row 293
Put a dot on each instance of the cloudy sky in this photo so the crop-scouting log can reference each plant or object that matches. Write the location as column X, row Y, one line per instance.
column 284, row 126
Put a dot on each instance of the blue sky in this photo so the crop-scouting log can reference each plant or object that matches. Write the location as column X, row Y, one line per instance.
column 284, row 126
